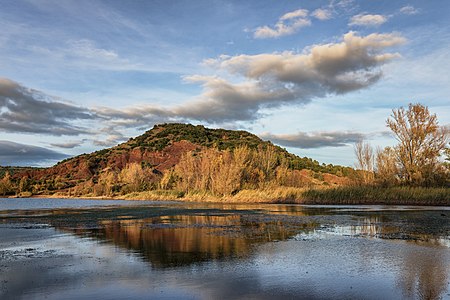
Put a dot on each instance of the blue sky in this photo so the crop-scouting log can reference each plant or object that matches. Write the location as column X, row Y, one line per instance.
column 311, row 76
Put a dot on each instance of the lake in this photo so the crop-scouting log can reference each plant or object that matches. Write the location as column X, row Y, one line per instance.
column 105, row 249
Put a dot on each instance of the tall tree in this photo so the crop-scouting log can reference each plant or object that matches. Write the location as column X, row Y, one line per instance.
column 421, row 141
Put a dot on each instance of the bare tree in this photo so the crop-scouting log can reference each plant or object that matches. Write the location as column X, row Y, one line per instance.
column 421, row 141
column 365, row 160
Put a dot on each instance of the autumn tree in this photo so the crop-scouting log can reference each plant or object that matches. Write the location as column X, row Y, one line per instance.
column 5, row 184
column 24, row 184
column 105, row 184
column 386, row 166
column 263, row 164
column 229, row 171
column 421, row 141
column 447, row 155
column 211, row 170
column 168, row 180
column 133, row 177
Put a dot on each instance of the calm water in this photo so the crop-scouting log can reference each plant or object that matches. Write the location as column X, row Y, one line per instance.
column 72, row 249
column 33, row 203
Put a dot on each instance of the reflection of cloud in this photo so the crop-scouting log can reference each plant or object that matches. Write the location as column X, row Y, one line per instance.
column 27, row 110
column 14, row 154
column 287, row 24
column 367, row 20
column 305, row 140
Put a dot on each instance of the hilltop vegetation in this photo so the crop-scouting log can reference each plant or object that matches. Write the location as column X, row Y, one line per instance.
column 14, row 170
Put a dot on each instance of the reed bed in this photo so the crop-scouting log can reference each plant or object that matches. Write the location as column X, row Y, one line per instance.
column 344, row 195
column 379, row 195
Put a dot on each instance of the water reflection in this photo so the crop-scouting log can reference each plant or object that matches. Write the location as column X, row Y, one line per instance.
column 380, row 227
column 343, row 252
column 169, row 241
column 423, row 275
column 423, row 269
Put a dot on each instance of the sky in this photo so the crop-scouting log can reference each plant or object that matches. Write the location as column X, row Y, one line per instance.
column 314, row 77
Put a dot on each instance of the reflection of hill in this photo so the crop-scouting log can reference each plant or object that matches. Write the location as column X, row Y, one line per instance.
column 170, row 241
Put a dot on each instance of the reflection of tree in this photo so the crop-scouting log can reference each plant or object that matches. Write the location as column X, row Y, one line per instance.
column 423, row 266
column 169, row 241
column 424, row 273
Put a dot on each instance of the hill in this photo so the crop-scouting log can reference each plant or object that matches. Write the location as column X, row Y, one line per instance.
column 158, row 151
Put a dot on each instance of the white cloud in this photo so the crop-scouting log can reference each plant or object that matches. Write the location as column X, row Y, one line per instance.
column 343, row 3
column 409, row 10
column 86, row 53
column 322, row 14
column 87, row 49
column 112, row 140
column 270, row 80
column 287, row 24
column 299, row 13
column 69, row 144
column 367, row 20
column 279, row 78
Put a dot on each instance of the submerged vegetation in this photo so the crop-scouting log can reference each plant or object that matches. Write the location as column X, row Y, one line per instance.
column 179, row 161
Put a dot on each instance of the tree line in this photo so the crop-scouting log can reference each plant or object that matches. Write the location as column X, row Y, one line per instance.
column 421, row 156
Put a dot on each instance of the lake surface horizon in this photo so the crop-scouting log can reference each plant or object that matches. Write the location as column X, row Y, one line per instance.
column 107, row 249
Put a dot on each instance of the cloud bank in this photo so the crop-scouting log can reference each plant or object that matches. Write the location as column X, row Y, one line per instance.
column 15, row 154
column 260, row 81
column 270, row 80
column 29, row 111
column 305, row 140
